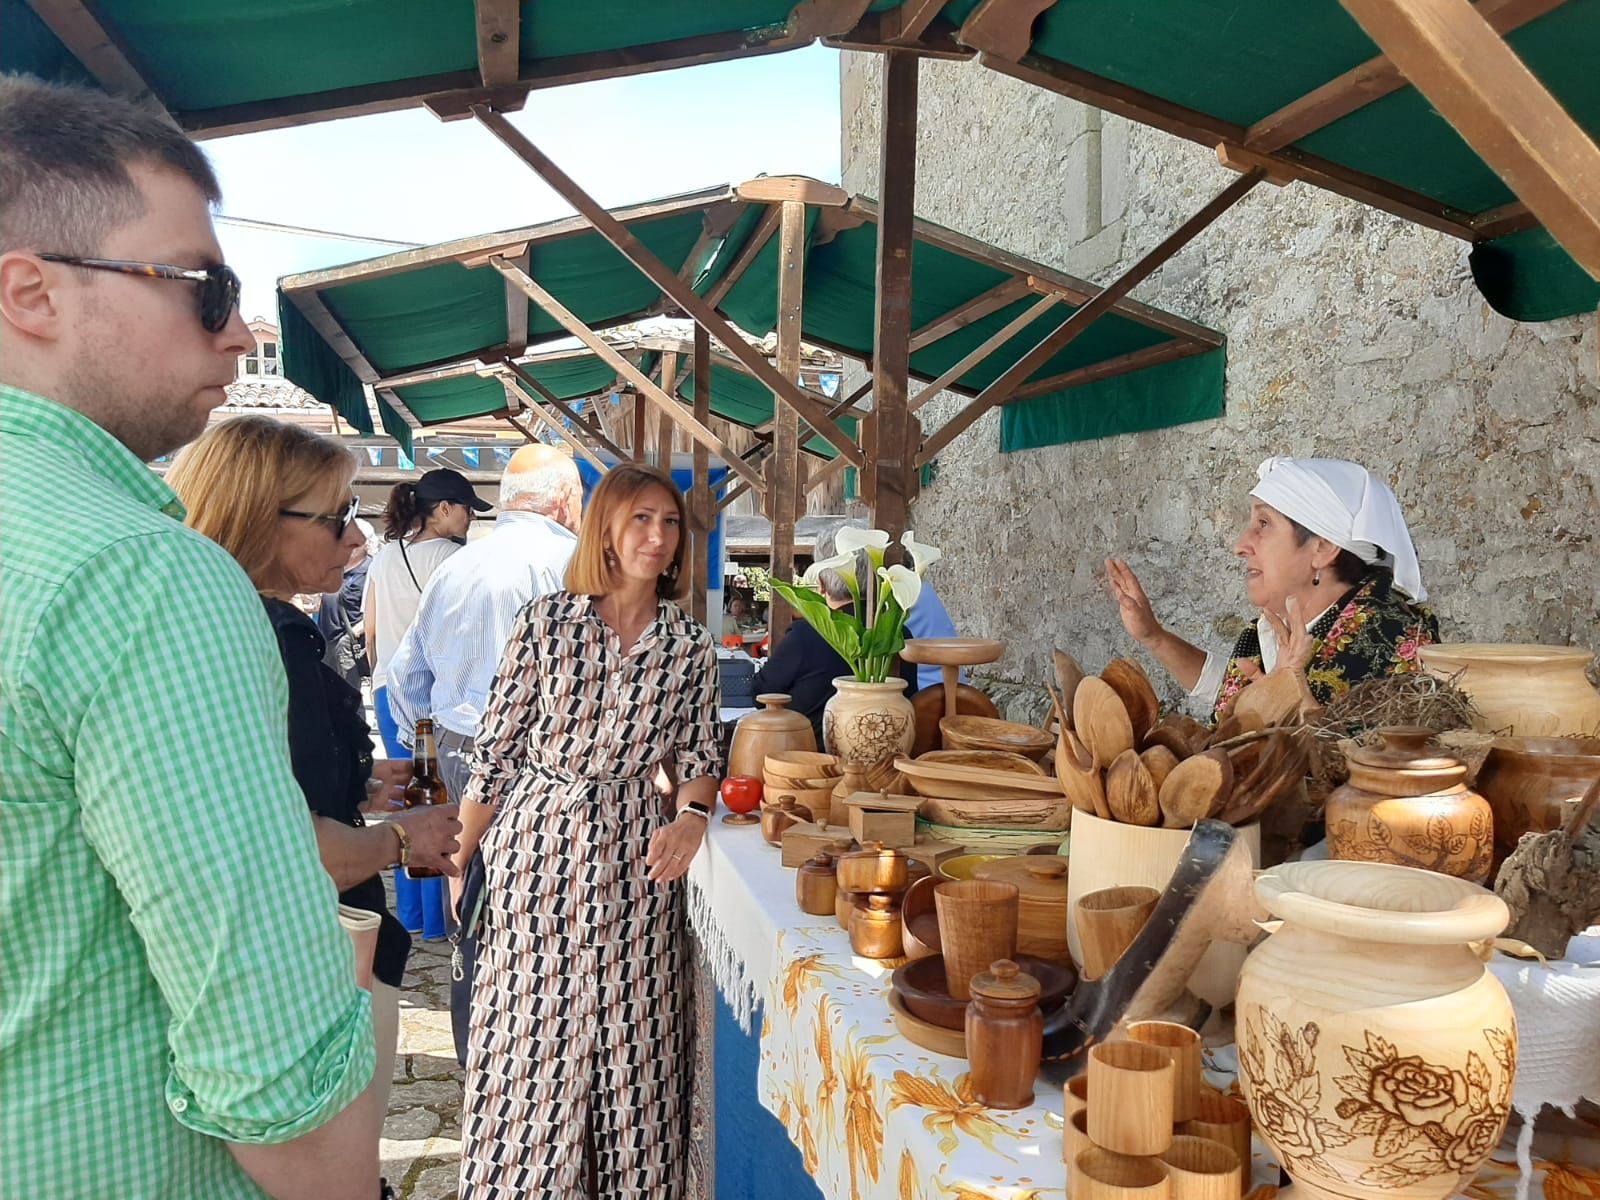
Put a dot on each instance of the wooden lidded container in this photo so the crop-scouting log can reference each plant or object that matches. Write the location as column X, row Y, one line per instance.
column 1005, row 1035
column 775, row 818
column 1041, row 881
column 875, row 928
column 815, row 886
column 771, row 729
column 873, row 868
column 1409, row 805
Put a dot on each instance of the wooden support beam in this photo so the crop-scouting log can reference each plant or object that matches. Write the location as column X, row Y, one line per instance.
column 1498, row 222
column 890, row 434
column 700, row 514
column 535, row 409
column 637, row 378
column 517, row 312
column 1070, row 329
column 599, row 435
column 499, row 41
column 669, row 380
column 811, row 19
column 1368, row 82
column 759, row 237
column 887, row 30
column 1477, row 83
column 976, row 309
column 1002, row 27
column 906, row 22
column 732, row 494
column 80, row 31
column 824, row 473
column 980, row 352
column 783, row 468
column 775, row 189
column 641, row 429
column 642, row 257
column 1124, row 101
column 1123, row 364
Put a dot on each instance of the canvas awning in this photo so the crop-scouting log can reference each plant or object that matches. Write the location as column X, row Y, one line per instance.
column 1298, row 87
column 426, row 328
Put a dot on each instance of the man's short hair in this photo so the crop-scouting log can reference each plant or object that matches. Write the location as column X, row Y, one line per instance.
column 64, row 185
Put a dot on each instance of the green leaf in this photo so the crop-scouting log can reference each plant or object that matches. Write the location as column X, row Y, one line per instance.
column 839, row 629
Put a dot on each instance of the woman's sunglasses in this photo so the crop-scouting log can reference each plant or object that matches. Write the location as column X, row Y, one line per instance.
column 218, row 286
column 338, row 522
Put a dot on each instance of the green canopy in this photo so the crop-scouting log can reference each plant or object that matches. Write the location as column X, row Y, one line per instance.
column 1215, row 71
column 423, row 328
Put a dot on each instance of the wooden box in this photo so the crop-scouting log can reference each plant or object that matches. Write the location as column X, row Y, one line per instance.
column 877, row 817
column 802, row 840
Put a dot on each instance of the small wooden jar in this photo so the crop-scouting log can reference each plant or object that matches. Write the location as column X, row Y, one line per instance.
column 873, row 868
column 875, row 927
column 815, row 886
column 775, row 818
column 1005, row 1035
column 843, row 903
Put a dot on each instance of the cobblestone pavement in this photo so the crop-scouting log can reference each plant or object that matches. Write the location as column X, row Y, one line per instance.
column 422, row 1137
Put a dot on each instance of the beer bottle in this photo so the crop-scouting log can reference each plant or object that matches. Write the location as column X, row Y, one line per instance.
column 426, row 787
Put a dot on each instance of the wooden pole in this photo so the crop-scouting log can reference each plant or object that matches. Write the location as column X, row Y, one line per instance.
column 783, row 468
column 1069, row 330
column 641, row 429
column 669, row 377
column 890, row 434
column 1477, row 83
column 704, row 517
column 592, row 428
column 665, row 278
column 537, row 410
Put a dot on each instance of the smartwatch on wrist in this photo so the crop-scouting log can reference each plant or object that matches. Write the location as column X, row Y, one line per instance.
column 699, row 807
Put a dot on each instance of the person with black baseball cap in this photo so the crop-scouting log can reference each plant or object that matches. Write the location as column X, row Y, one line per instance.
column 425, row 523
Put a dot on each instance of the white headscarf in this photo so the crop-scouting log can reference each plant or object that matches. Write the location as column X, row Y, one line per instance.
column 1347, row 505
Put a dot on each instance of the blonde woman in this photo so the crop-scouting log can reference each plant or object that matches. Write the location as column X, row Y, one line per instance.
column 278, row 499
column 578, row 1053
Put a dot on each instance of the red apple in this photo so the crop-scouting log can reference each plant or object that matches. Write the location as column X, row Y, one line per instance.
column 741, row 793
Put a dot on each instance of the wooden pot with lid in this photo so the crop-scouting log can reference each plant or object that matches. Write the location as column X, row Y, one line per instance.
column 873, row 868
column 1005, row 1035
column 815, row 886
column 1041, row 881
column 772, row 728
column 1409, row 805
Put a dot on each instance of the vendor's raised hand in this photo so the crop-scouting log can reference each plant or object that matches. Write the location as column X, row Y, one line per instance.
column 1133, row 606
column 673, row 847
column 1295, row 643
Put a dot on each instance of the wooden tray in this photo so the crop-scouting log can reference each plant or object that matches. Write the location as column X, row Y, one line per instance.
column 985, row 760
column 951, row 781
column 988, row 733
column 925, row 1033
column 1046, row 814
column 952, row 651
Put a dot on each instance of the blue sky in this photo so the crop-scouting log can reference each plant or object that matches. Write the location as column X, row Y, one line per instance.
column 410, row 177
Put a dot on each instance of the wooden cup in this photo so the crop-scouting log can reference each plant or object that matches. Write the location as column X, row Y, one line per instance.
column 1108, row 921
column 1183, row 1044
column 1076, row 1094
column 1130, row 1098
column 977, row 926
column 1200, row 1169
column 1075, row 1136
column 1223, row 1120
column 1101, row 1174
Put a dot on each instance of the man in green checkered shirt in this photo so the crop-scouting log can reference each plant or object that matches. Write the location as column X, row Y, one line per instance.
column 178, row 1013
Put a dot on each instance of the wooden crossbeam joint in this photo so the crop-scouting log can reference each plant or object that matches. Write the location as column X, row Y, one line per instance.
column 1237, row 158
column 1002, row 27
column 499, row 41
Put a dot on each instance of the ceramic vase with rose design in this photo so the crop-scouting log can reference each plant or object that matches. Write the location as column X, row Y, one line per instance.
column 1376, row 1052
column 866, row 725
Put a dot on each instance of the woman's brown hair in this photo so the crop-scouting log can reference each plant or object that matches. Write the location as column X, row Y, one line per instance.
column 235, row 477
column 589, row 573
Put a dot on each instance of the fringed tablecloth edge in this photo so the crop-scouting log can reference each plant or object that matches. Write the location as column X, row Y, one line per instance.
column 727, row 966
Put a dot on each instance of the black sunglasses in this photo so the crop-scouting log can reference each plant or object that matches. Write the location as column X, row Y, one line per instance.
column 219, row 286
column 338, row 522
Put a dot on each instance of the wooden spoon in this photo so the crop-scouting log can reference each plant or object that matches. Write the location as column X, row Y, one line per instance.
column 1132, row 686
column 1079, row 777
column 1270, row 700
column 1101, row 721
column 1159, row 761
column 1131, row 792
column 1170, row 737
column 1195, row 789
column 1069, row 675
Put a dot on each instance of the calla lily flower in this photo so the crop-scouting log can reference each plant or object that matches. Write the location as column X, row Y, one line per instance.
column 844, row 563
column 922, row 555
column 904, row 583
column 873, row 541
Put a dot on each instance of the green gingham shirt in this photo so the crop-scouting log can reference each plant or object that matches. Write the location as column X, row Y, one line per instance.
column 172, row 969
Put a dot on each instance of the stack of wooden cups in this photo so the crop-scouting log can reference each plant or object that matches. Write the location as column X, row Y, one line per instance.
column 1139, row 1125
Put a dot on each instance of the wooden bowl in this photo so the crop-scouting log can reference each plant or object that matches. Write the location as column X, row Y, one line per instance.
column 920, row 984
column 801, row 764
column 987, row 760
column 928, row 707
column 962, row 865
column 1048, row 814
column 816, row 800
column 952, row 781
column 780, row 783
column 986, row 733
column 919, row 920
column 925, row 1033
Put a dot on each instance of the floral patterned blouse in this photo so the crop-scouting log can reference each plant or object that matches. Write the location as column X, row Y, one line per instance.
column 1371, row 632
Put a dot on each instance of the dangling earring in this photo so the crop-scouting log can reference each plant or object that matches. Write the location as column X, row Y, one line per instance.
column 671, row 573
column 1316, row 579
column 611, row 558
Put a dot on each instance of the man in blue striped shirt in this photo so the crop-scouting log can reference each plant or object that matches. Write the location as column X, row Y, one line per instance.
column 447, row 659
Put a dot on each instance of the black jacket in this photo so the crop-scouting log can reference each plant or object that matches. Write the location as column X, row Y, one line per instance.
column 330, row 747
column 805, row 666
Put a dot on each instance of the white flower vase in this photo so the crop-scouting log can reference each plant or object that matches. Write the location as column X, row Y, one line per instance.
column 865, row 725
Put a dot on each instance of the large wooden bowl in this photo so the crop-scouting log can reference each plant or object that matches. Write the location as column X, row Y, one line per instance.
column 920, row 984
column 1048, row 814
column 987, row 760
column 928, row 705
column 780, row 783
column 987, row 733
column 814, row 800
column 801, row 764
column 955, row 781
column 925, row 1033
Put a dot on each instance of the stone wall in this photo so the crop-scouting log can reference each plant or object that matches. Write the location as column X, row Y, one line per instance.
column 1351, row 334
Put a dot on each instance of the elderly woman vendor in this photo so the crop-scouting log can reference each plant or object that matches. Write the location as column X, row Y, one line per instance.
column 1330, row 567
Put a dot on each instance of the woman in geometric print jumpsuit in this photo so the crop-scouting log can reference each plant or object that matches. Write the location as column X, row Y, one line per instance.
column 578, row 1060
